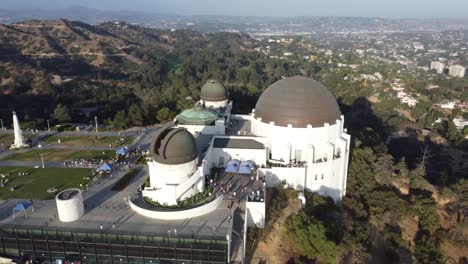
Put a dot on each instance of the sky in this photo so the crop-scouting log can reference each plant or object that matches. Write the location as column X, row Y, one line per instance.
column 355, row 8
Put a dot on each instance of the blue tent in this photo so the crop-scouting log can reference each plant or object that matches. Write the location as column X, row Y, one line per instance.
column 246, row 167
column 232, row 166
column 122, row 151
column 105, row 167
column 22, row 206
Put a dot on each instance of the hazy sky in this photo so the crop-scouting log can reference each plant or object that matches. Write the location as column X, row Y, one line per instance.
column 385, row 8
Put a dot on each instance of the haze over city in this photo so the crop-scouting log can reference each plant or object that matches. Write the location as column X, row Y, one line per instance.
column 356, row 8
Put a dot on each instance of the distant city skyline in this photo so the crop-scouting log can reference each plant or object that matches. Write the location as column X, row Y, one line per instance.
column 271, row 8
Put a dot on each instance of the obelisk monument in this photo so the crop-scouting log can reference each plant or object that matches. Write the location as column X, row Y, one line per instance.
column 19, row 139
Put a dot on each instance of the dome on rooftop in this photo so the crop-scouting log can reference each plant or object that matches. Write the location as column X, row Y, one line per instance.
column 174, row 146
column 197, row 116
column 213, row 91
column 299, row 101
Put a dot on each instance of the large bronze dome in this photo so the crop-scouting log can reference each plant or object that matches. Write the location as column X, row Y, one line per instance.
column 299, row 101
column 213, row 91
column 174, row 146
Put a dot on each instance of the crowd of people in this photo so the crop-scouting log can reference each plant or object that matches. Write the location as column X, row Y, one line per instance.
column 83, row 163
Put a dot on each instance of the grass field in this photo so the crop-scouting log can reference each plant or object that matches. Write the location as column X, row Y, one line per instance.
column 7, row 139
column 88, row 140
column 59, row 155
column 35, row 185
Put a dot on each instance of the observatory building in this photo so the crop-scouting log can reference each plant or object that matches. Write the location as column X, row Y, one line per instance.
column 214, row 95
column 174, row 172
column 208, row 173
column 302, row 124
column 294, row 136
column 211, row 114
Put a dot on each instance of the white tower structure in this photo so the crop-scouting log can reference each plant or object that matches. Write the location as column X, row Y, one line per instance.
column 19, row 139
column 70, row 205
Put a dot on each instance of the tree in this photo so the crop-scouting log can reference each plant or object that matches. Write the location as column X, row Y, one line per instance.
column 308, row 236
column 120, row 120
column 135, row 115
column 402, row 168
column 61, row 113
column 383, row 167
column 184, row 104
column 425, row 249
column 453, row 134
column 165, row 114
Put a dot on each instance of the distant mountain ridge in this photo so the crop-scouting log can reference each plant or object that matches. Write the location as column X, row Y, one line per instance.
column 232, row 23
column 75, row 13
column 64, row 37
column 74, row 48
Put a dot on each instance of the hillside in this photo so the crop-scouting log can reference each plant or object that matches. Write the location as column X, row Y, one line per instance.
column 114, row 63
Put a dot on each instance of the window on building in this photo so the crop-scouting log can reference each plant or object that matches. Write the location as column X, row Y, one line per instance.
column 315, row 176
column 322, row 176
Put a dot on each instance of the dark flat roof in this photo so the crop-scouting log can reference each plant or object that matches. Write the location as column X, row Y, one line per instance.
column 68, row 194
column 239, row 143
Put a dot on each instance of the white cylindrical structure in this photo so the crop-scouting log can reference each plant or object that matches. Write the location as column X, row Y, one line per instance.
column 70, row 205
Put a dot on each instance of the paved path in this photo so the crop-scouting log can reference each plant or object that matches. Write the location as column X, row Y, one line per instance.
column 106, row 207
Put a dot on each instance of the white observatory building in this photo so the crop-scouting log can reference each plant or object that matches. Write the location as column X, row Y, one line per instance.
column 174, row 172
column 302, row 123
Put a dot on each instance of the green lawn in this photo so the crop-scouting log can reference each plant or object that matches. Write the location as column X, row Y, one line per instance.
column 60, row 155
column 35, row 185
column 8, row 139
column 88, row 140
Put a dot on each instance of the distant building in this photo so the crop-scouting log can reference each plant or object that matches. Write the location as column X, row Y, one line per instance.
column 360, row 51
column 448, row 105
column 418, row 46
column 437, row 66
column 432, row 86
column 407, row 99
column 457, row 71
column 460, row 123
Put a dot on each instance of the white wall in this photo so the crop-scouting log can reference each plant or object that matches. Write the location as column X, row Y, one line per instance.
column 312, row 144
column 165, row 195
column 170, row 184
column 256, row 214
column 178, row 214
column 295, row 177
column 162, row 174
column 171, row 192
column 296, row 136
column 217, row 104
